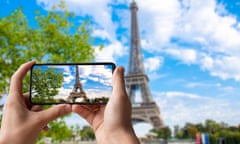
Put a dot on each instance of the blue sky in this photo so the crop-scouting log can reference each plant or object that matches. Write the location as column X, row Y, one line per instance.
column 191, row 51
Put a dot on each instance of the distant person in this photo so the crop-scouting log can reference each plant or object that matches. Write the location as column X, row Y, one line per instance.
column 23, row 122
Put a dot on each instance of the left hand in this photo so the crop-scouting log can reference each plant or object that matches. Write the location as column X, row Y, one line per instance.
column 22, row 122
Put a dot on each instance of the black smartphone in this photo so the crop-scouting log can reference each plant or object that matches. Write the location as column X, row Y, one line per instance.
column 74, row 83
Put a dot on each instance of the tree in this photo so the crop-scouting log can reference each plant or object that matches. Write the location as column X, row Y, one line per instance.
column 200, row 127
column 211, row 126
column 164, row 133
column 192, row 131
column 87, row 133
column 188, row 131
column 176, row 130
column 45, row 84
column 216, row 131
column 58, row 131
column 57, row 38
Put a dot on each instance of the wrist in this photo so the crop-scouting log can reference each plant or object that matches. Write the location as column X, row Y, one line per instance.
column 128, row 136
column 15, row 137
column 119, row 136
column 4, row 139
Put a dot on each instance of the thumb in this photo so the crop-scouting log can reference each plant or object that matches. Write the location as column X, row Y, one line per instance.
column 119, row 105
column 53, row 113
column 118, row 82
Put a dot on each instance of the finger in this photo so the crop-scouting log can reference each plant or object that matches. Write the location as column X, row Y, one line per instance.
column 119, row 102
column 16, row 80
column 52, row 113
column 36, row 108
column 27, row 101
column 98, row 118
column 91, row 108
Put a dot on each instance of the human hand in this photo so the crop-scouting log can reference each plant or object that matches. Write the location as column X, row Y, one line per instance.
column 111, row 123
column 22, row 122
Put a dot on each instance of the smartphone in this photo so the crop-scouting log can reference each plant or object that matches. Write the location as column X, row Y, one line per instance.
column 74, row 83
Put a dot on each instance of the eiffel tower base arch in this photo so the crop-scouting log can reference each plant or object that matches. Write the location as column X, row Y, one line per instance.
column 147, row 112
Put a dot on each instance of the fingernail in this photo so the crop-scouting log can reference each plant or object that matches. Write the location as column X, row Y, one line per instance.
column 121, row 70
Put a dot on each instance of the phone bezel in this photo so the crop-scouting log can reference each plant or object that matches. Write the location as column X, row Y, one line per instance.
column 59, row 64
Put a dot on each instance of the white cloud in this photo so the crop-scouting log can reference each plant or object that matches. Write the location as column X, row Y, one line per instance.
column 157, row 20
column 97, row 73
column 182, row 95
column 101, row 34
column 152, row 64
column 203, row 30
column 187, row 56
column 224, row 67
column 197, row 84
column 63, row 93
column 206, row 62
column 111, row 52
column 223, row 89
column 205, row 27
column 68, row 79
column 98, row 9
column 96, row 93
column 155, row 75
column 177, row 108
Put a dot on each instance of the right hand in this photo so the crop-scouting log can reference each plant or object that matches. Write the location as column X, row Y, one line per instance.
column 111, row 123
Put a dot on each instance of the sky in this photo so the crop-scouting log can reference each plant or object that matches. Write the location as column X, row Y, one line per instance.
column 191, row 51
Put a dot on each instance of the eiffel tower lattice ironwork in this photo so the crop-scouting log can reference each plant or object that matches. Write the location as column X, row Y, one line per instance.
column 136, row 79
column 77, row 91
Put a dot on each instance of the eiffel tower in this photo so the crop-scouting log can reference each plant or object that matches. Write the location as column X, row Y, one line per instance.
column 77, row 91
column 136, row 79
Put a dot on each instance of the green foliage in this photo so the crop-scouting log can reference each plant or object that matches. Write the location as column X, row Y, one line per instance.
column 56, row 39
column 211, row 126
column 58, row 132
column 216, row 131
column 45, row 84
column 213, row 139
column 164, row 133
column 87, row 133
column 189, row 130
column 176, row 130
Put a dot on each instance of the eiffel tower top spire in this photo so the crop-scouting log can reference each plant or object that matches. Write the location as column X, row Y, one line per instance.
column 135, row 58
column 77, row 75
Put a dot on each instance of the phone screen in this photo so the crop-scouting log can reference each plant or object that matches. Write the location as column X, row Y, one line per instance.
column 84, row 83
